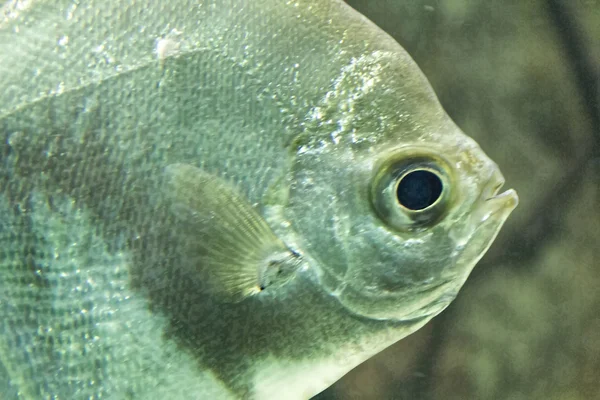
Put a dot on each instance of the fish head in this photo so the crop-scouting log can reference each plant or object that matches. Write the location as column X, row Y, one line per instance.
column 396, row 208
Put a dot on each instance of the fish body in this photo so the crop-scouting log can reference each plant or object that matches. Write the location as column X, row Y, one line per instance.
column 221, row 199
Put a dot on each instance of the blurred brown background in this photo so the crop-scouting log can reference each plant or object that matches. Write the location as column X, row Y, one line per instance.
column 522, row 78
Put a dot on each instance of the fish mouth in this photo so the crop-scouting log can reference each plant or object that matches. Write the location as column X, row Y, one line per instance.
column 486, row 217
column 493, row 203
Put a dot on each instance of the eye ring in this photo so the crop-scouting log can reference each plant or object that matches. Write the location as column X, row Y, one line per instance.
column 412, row 190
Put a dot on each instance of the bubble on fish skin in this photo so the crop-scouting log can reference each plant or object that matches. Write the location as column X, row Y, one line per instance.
column 71, row 11
column 60, row 88
column 63, row 41
column 166, row 47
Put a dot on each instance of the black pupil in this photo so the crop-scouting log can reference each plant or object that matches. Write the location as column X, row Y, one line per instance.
column 419, row 189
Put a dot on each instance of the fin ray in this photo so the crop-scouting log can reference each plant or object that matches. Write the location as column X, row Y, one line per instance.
column 229, row 241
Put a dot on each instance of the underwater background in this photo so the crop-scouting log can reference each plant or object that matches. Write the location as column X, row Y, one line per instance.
column 521, row 78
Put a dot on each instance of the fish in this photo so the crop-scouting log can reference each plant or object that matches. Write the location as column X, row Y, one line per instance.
column 222, row 199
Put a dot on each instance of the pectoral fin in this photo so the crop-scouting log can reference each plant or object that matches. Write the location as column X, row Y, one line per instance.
column 233, row 245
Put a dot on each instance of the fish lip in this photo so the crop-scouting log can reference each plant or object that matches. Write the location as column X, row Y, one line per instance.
column 493, row 185
column 507, row 199
column 490, row 208
column 493, row 201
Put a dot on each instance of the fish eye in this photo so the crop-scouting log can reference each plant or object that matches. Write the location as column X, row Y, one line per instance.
column 411, row 191
column 419, row 189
